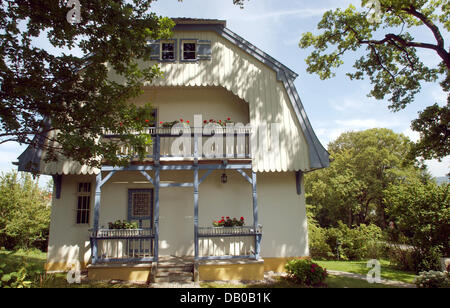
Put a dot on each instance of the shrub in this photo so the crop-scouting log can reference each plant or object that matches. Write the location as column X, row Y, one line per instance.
column 306, row 272
column 428, row 258
column 433, row 279
column 24, row 212
column 358, row 243
column 319, row 249
column 401, row 257
column 18, row 279
column 409, row 258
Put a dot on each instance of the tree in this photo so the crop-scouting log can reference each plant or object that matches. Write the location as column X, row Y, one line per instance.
column 391, row 60
column 24, row 212
column 421, row 211
column 73, row 96
column 363, row 165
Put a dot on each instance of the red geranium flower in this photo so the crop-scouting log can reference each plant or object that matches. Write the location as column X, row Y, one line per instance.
column 242, row 218
column 181, row 120
column 146, row 120
column 187, row 122
column 228, row 119
column 205, row 121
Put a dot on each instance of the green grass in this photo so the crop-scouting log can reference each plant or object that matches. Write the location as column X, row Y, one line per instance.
column 359, row 267
column 35, row 260
column 331, row 282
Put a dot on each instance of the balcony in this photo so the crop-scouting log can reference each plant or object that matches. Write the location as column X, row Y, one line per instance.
column 123, row 245
column 188, row 144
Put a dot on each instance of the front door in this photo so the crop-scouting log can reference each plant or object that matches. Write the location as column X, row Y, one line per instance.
column 140, row 210
column 176, row 222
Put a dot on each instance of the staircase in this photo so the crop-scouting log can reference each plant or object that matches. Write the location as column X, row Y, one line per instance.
column 175, row 269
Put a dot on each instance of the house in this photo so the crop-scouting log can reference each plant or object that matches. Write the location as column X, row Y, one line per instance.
column 187, row 181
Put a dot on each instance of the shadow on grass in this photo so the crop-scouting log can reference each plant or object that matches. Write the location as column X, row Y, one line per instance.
column 33, row 259
column 281, row 282
column 360, row 267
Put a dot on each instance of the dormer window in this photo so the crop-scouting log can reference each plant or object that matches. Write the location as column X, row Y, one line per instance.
column 168, row 51
column 189, row 50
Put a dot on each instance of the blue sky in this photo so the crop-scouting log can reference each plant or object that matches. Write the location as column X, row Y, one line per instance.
column 333, row 106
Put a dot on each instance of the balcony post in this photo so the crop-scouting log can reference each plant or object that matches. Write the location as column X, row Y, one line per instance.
column 196, row 184
column 255, row 216
column 156, row 184
column 98, row 193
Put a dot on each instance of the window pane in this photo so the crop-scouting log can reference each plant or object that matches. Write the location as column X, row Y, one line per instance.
column 189, row 47
column 167, row 47
column 189, row 51
column 168, row 55
column 141, row 204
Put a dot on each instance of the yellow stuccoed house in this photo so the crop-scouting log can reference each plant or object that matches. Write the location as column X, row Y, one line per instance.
column 211, row 201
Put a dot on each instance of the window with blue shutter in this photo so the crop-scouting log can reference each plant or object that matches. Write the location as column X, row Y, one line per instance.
column 155, row 50
column 140, row 204
column 190, row 50
column 204, row 50
column 168, row 50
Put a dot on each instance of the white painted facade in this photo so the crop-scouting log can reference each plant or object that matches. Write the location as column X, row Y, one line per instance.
column 236, row 84
column 281, row 213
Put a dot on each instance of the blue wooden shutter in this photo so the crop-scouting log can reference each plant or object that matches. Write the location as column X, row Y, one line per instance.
column 204, row 50
column 155, row 50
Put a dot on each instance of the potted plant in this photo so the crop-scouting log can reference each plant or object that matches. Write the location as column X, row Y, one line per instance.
column 228, row 222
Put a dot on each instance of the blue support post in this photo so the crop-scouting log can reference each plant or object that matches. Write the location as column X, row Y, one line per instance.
column 57, row 180
column 298, row 181
column 156, row 219
column 196, row 184
column 255, row 216
column 196, row 212
column 98, row 194
column 156, row 185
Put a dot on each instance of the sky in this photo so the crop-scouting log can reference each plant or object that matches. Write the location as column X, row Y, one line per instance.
column 333, row 106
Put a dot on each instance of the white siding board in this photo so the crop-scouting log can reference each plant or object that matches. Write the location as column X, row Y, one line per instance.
column 250, row 80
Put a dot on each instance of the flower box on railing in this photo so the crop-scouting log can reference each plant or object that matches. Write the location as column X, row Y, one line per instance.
column 229, row 231
column 121, row 233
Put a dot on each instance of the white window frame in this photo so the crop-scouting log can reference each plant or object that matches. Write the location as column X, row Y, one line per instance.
column 188, row 41
column 161, row 51
column 81, row 194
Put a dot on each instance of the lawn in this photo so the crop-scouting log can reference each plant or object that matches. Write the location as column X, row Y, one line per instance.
column 331, row 282
column 36, row 260
column 359, row 267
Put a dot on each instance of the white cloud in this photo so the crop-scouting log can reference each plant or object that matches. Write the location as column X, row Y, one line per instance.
column 299, row 13
column 412, row 135
column 364, row 123
column 437, row 168
column 438, row 95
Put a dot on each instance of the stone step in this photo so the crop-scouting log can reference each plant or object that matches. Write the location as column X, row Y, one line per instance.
column 173, row 273
column 174, row 279
column 182, row 268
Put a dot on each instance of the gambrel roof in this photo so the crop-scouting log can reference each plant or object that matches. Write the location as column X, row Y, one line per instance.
column 261, row 97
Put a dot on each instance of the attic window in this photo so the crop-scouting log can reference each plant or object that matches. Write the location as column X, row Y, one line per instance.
column 167, row 51
column 189, row 50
